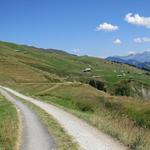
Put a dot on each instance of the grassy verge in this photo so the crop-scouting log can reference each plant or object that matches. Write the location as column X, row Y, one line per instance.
column 9, row 125
column 121, row 128
column 63, row 140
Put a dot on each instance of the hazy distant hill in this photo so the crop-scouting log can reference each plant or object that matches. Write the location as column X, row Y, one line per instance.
column 140, row 60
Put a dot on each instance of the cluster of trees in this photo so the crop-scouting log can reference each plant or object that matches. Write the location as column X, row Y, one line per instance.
column 100, row 85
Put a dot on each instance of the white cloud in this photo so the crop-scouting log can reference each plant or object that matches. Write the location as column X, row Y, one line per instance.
column 137, row 40
column 138, row 20
column 131, row 52
column 145, row 39
column 117, row 41
column 107, row 27
column 141, row 40
column 76, row 50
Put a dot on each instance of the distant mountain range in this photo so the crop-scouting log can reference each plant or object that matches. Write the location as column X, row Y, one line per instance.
column 140, row 60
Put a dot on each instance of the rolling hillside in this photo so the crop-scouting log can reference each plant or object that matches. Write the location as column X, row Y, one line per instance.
column 57, row 77
column 25, row 64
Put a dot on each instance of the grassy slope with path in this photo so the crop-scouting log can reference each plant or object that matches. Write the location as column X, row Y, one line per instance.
column 22, row 64
column 9, row 125
column 37, row 72
column 125, row 119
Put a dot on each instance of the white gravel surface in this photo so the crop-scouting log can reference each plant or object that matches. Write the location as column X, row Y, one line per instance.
column 88, row 137
column 35, row 135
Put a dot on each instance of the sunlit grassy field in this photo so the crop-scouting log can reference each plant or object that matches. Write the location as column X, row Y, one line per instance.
column 21, row 64
column 9, row 125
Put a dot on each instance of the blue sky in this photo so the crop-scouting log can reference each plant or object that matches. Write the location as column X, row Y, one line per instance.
column 72, row 25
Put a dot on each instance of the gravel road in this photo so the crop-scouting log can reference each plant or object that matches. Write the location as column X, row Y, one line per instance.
column 88, row 137
column 35, row 135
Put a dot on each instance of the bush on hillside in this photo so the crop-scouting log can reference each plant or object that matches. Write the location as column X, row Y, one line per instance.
column 97, row 84
column 123, row 89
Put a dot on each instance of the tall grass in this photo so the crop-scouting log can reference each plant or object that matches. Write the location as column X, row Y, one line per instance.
column 120, row 128
column 125, row 119
column 8, row 125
